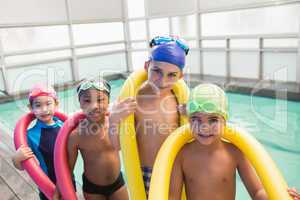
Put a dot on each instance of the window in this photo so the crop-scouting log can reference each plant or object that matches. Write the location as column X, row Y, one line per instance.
column 159, row 27
column 137, row 30
column 136, row 8
column 97, row 33
column 18, row 39
column 184, row 26
column 268, row 20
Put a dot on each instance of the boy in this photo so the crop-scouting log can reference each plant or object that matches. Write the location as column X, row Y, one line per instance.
column 208, row 165
column 102, row 178
column 41, row 137
column 156, row 115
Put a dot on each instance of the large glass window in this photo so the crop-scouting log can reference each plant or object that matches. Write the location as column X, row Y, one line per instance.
column 136, row 8
column 244, row 43
column 18, row 39
column 184, row 26
column 192, row 63
column 244, row 64
column 137, row 30
column 280, row 43
column 100, row 49
column 23, row 78
column 268, row 20
column 280, row 66
column 101, row 65
column 214, row 63
column 139, row 45
column 10, row 60
column 97, row 33
column 138, row 59
column 2, row 88
column 159, row 27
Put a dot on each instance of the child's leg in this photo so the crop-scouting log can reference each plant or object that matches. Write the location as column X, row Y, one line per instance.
column 120, row 194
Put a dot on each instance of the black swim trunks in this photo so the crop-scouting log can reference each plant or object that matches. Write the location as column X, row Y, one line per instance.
column 107, row 190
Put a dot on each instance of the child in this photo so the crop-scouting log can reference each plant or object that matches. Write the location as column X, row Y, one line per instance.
column 208, row 165
column 41, row 137
column 102, row 178
column 157, row 113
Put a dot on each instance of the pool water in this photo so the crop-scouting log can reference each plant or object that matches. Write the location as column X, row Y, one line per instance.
column 275, row 123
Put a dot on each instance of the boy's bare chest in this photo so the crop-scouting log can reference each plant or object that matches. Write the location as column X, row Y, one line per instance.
column 94, row 143
column 160, row 110
column 216, row 169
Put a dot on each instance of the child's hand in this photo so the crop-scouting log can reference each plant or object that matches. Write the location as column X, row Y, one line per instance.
column 23, row 153
column 56, row 195
column 294, row 193
column 182, row 109
column 122, row 109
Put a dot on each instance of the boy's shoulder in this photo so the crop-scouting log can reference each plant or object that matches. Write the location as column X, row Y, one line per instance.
column 74, row 136
column 230, row 147
column 233, row 150
column 188, row 148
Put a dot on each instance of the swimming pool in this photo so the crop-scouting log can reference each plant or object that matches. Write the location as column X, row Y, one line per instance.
column 275, row 123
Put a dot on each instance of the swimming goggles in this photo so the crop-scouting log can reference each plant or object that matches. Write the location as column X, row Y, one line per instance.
column 101, row 85
column 206, row 107
column 166, row 39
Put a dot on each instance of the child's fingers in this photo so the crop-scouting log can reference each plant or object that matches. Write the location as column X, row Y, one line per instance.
column 129, row 99
column 292, row 189
column 294, row 193
column 132, row 106
column 27, row 151
column 29, row 154
column 27, row 148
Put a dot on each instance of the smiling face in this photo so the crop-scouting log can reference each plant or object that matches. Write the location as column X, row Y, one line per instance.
column 43, row 107
column 94, row 104
column 206, row 128
column 162, row 74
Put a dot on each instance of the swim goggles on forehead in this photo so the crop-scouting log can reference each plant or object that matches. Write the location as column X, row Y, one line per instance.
column 101, row 85
column 206, row 107
column 165, row 39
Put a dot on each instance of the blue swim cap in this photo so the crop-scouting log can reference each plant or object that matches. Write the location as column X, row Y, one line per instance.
column 169, row 52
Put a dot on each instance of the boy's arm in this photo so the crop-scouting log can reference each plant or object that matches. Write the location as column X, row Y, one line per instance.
column 119, row 111
column 56, row 195
column 113, row 132
column 250, row 179
column 23, row 153
column 176, row 182
column 17, row 163
column 72, row 150
column 182, row 109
